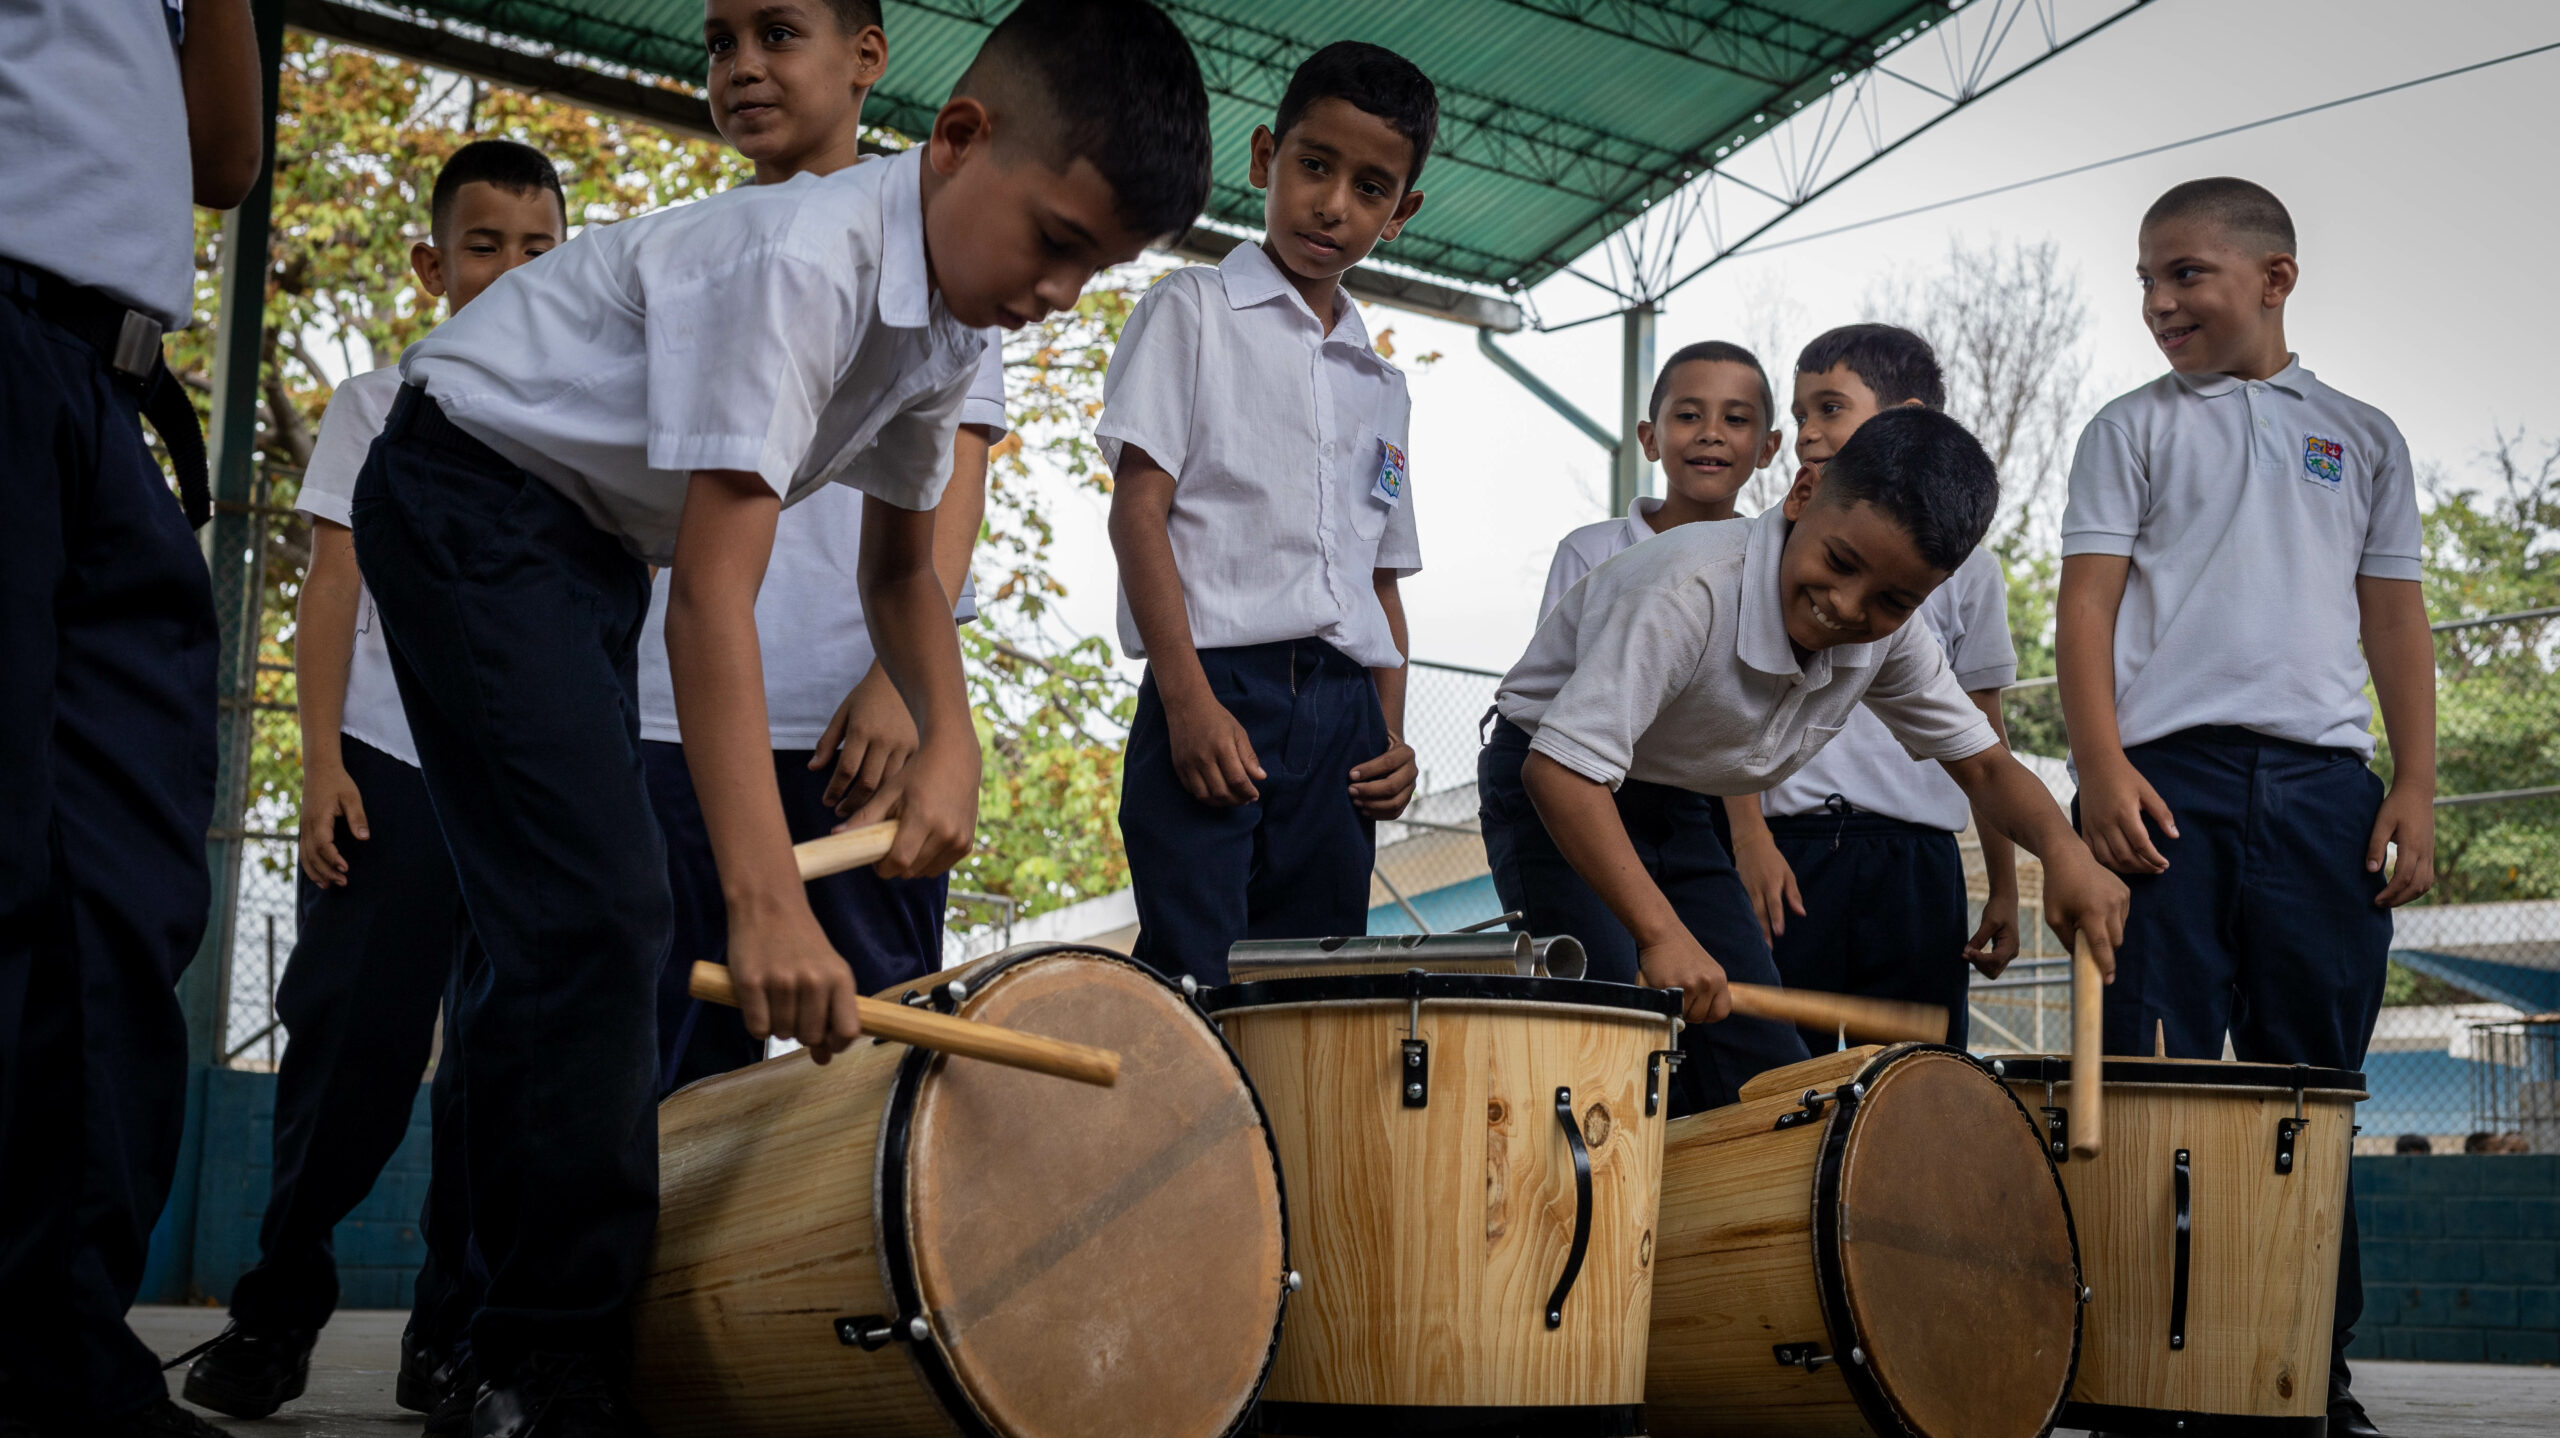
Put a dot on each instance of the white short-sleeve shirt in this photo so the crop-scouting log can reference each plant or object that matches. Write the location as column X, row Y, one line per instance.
column 1671, row 664
column 788, row 330
column 1593, row 545
column 355, row 415
column 1284, row 443
column 809, row 623
column 1969, row 617
column 2248, row 509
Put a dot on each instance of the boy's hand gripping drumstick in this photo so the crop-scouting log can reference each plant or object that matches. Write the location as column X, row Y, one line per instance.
column 1889, row 1019
column 2088, row 1040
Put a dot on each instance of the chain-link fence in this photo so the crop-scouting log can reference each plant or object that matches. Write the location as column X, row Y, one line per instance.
column 1431, row 875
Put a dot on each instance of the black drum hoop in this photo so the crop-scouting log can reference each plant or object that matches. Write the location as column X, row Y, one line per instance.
column 2178, row 1423
column 1402, row 1420
column 1404, row 985
column 2282, row 1078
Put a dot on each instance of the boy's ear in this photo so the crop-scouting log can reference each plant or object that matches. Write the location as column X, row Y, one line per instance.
column 2283, row 273
column 1644, row 437
column 870, row 56
column 1911, row 403
column 1265, row 146
column 1769, row 444
column 1800, row 494
column 428, row 263
column 1405, row 207
column 963, row 124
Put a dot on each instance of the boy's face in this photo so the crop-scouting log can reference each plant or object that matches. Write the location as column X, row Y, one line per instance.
column 1333, row 187
column 1849, row 574
column 787, row 83
column 1009, row 240
column 2213, row 304
column 493, row 229
column 1829, row 408
column 1710, row 436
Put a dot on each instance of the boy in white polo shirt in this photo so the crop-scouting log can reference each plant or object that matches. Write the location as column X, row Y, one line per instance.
column 671, row 384
column 1261, row 519
column 1716, row 659
column 2234, row 528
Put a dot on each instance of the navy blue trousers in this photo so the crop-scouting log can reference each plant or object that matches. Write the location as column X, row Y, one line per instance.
column 1675, row 834
column 371, row 962
column 514, row 628
column 1295, row 863
column 106, row 789
column 889, row 930
column 2264, row 925
column 1884, row 914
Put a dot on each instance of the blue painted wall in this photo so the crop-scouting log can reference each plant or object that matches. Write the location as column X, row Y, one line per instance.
column 2461, row 1257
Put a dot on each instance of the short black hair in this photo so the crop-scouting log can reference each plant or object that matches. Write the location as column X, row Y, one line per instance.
column 516, row 168
column 1897, row 364
column 1718, row 351
column 1927, row 473
column 1375, row 80
column 2243, row 208
column 1113, row 82
column 853, row 16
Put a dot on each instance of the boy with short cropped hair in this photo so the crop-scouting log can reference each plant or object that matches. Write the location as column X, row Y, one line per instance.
column 671, row 385
column 1716, row 659
column 1262, row 518
column 1852, row 861
column 2235, row 527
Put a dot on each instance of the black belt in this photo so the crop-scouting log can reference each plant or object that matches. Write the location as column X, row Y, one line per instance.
column 128, row 342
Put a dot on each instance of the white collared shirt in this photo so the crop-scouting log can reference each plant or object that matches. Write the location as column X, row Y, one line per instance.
column 1969, row 618
column 355, row 415
column 1671, row 664
column 1595, row 544
column 1276, row 435
column 2248, row 509
column 787, row 330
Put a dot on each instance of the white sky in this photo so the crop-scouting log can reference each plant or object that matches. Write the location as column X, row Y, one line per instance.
column 2426, row 219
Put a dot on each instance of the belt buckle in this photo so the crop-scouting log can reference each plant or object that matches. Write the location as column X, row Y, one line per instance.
column 138, row 345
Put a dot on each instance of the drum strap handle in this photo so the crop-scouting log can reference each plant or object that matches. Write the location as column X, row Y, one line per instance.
column 2178, row 1276
column 1582, row 1206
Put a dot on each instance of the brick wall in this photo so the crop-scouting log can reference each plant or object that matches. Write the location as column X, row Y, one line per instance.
column 378, row 1247
column 2461, row 1258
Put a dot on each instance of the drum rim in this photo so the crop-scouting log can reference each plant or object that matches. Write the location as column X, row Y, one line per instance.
column 897, row 1259
column 2225, row 1073
column 1407, row 985
column 1830, row 1274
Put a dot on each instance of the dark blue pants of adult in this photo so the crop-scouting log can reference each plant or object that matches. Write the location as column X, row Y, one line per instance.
column 1884, row 914
column 1293, row 864
column 2263, row 926
column 371, row 963
column 889, row 930
column 514, row 628
column 1674, row 833
column 106, row 790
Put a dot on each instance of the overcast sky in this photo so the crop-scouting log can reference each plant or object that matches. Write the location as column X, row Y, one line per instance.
column 2426, row 222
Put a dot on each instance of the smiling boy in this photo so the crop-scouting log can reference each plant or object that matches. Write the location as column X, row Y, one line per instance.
column 788, row 78
column 1261, row 516
column 2235, row 528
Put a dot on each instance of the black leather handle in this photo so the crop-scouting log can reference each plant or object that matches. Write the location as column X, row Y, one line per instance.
column 2178, row 1280
column 1582, row 1207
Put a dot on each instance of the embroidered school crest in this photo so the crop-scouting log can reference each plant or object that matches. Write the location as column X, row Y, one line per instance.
column 1390, row 485
column 2324, row 460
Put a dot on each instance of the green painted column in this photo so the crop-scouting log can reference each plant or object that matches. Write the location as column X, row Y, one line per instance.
column 1635, row 381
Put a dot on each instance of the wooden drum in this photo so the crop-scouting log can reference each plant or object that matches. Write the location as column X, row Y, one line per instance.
column 897, row 1243
column 1870, row 1241
column 2211, row 1219
column 1473, row 1162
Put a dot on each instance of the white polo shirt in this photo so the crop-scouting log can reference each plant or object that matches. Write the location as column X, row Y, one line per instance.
column 787, row 330
column 1671, row 664
column 1969, row 617
column 809, row 623
column 2248, row 508
column 96, row 183
column 347, row 431
column 1593, row 545
column 1283, row 442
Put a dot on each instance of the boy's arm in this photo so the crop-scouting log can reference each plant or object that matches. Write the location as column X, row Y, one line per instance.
column 2401, row 652
column 2080, row 898
column 934, row 797
column 1995, row 943
column 2114, row 797
column 1582, row 818
column 1382, row 787
column 324, row 646
column 1765, row 872
column 1211, row 752
column 790, row 980
column 220, row 70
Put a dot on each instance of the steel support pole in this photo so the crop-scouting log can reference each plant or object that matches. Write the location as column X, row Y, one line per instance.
column 1635, row 379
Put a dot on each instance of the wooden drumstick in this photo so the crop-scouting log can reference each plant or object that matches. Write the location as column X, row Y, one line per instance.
column 849, row 850
column 2088, row 1038
column 942, row 1033
column 1891, row 1019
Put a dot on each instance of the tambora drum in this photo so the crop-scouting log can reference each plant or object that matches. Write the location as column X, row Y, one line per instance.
column 1472, row 1163
column 2211, row 1220
column 898, row 1243
column 1872, row 1241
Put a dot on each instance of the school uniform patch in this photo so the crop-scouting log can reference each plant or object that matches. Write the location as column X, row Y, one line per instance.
column 2324, row 460
column 1390, row 485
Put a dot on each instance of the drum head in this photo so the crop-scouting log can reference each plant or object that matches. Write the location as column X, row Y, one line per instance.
column 1097, row 1261
column 1956, row 1252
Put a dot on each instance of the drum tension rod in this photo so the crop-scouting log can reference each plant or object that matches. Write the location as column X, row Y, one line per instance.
column 1414, row 1075
column 872, row 1332
column 2057, row 1122
column 1654, row 1064
column 2287, row 1129
column 1814, row 1099
column 1810, row 1357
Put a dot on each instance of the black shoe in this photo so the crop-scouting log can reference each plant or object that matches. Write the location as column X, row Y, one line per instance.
column 553, row 1395
column 2347, row 1417
column 163, row 1419
column 451, row 1415
column 426, row 1372
column 19, row 1427
column 249, row 1372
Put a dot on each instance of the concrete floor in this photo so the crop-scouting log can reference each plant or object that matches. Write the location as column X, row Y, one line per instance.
column 352, row 1371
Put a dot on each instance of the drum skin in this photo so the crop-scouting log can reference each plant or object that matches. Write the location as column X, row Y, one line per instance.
column 2263, row 1261
column 1431, row 1238
column 1087, row 1261
column 1938, row 1249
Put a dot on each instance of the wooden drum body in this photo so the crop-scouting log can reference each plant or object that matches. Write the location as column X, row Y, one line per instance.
column 897, row 1243
column 1871, row 1241
column 1472, row 1162
column 2209, row 1225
